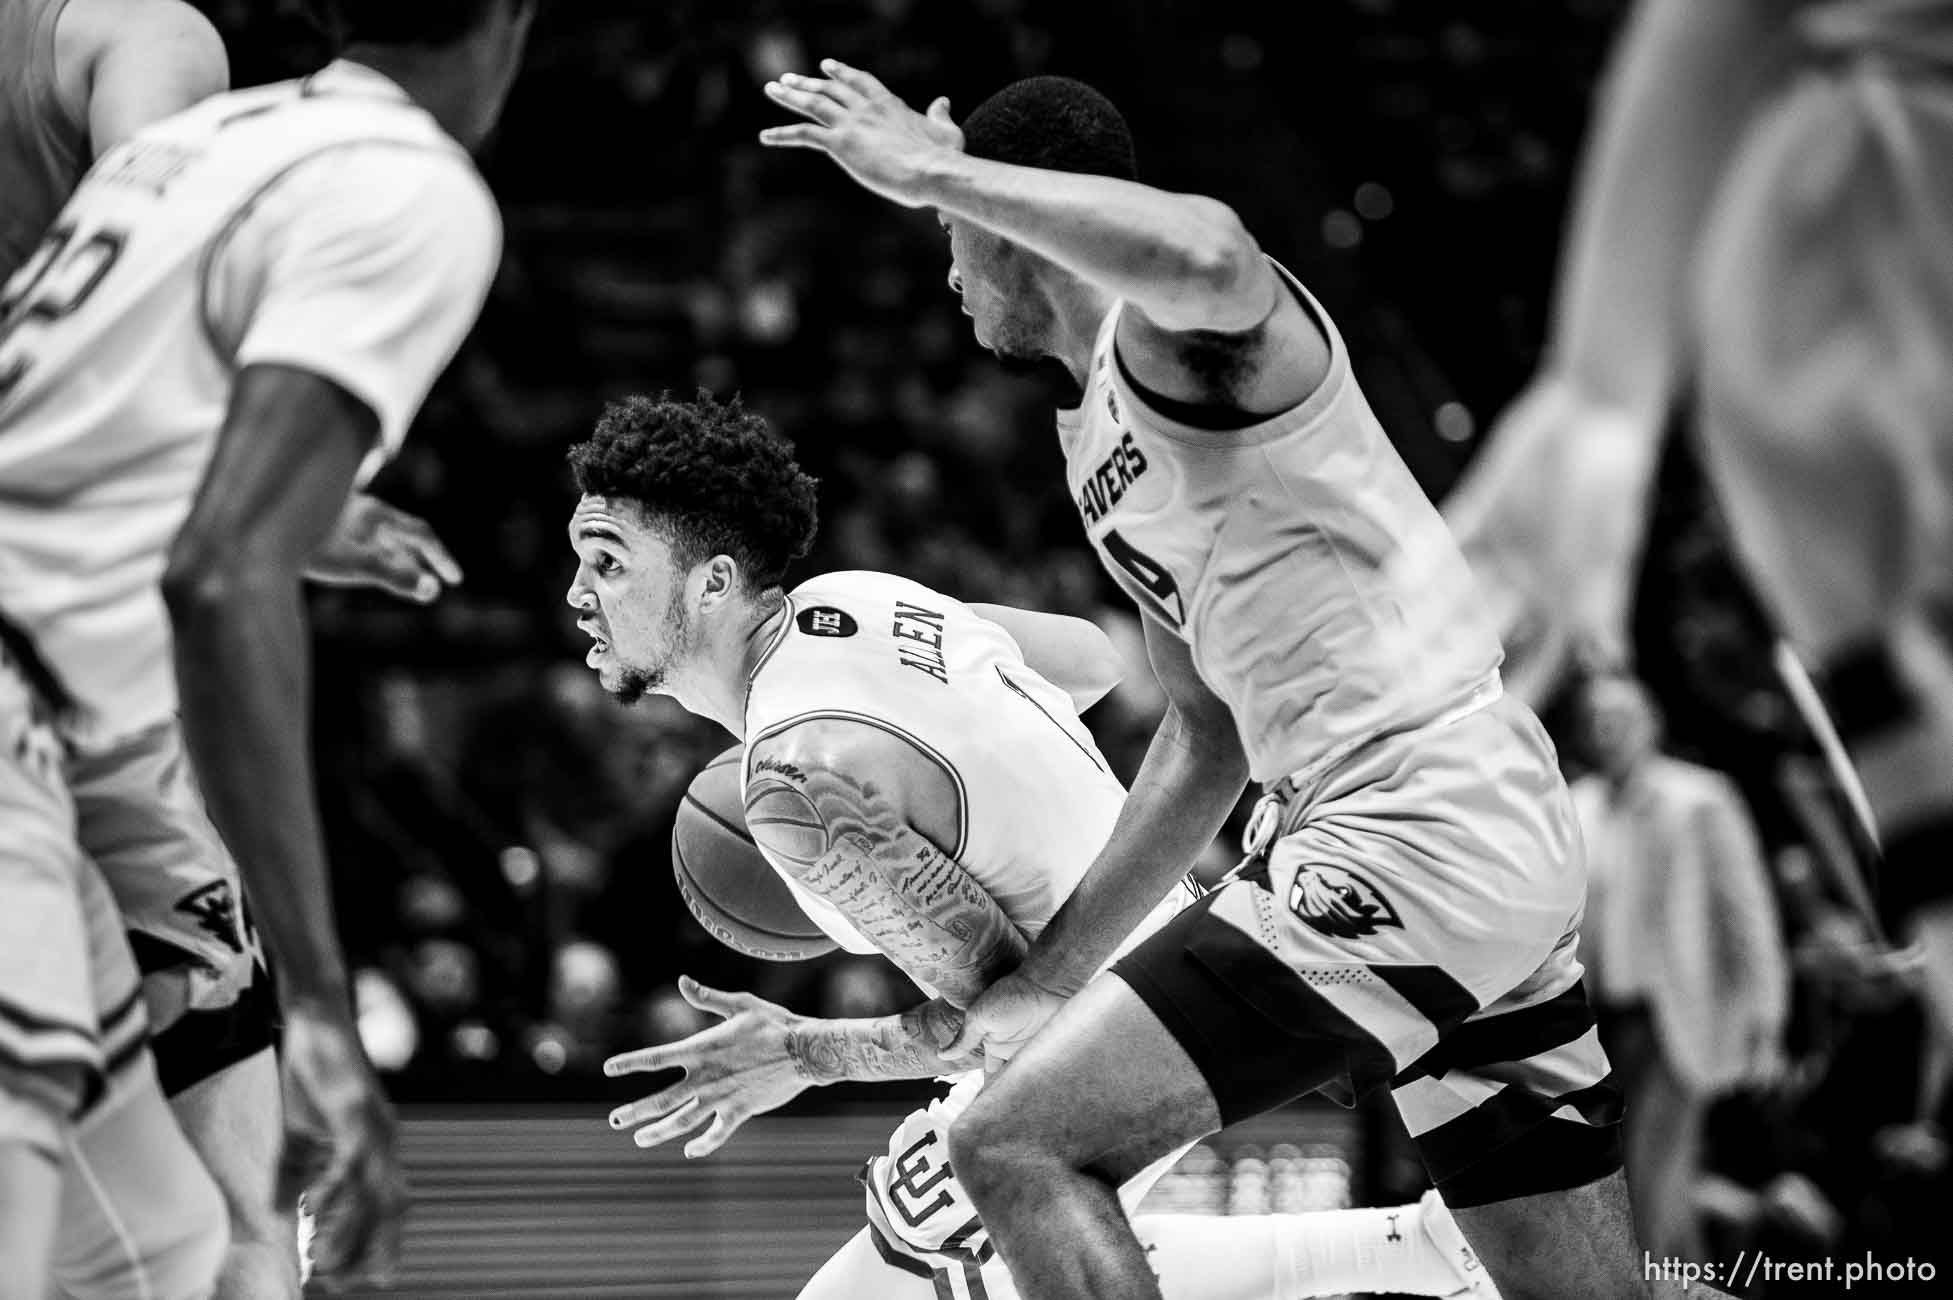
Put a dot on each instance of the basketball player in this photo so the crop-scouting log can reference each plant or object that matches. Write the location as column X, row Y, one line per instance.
column 1408, row 916
column 1764, row 220
column 78, row 77
column 916, row 771
column 279, row 275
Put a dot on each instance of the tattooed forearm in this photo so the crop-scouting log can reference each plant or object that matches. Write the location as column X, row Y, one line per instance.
column 844, row 840
column 863, row 1051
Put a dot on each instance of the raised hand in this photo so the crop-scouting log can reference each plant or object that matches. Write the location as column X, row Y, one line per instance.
column 854, row 119
column 742, row 1067
column 381, row 546
column 1001, row 1020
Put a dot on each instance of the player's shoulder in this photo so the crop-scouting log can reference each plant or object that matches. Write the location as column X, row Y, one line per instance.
column 862, row 584
column 89, row 28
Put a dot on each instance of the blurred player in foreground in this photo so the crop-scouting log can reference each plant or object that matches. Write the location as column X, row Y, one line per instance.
column 78, row 77
column 1409, row 913
column 229, row 325
column 916, row 771
column 1764, row 221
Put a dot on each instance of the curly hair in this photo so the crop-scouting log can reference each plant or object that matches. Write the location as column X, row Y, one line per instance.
column 709, row 476
column 1054, row 123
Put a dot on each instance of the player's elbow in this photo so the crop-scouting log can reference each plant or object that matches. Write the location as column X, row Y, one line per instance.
column 1099, row 669
column 1223, row 279
column 204, row 579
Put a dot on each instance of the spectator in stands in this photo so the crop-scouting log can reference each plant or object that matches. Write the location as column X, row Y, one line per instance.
column 1682, row 944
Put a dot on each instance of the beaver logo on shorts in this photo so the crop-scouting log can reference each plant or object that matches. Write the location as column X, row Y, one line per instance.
column 1339, row 903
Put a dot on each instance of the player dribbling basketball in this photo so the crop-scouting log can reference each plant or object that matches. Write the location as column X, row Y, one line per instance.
column 916, row 771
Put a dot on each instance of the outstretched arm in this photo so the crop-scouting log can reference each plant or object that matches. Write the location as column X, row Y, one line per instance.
column 838, row 806
column 1552, row 512
column 761, row 1056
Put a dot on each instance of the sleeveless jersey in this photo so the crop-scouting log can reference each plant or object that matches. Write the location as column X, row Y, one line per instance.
column 1317, row 588
column 328, row 225
column 43, row 152
column 1038, row 799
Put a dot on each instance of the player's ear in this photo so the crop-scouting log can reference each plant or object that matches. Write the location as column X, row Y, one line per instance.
column 719, row 581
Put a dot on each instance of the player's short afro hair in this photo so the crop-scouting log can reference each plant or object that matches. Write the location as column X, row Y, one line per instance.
column 709, row 475
column 407, row 22
column 1054, row 123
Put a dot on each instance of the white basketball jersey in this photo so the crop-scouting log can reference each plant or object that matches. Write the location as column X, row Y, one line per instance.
column 329, row 225
column 1318, row 589
column 1038, row 799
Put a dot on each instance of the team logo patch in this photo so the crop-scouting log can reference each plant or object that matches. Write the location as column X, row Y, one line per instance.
column 1339, row 903
column 824, row 620
column 214, row 908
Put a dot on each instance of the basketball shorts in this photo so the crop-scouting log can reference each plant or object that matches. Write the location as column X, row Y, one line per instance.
column 140, row 817
column 919, row 1216
column 1414, row 926
column 1823, row 320
column 72, row 1021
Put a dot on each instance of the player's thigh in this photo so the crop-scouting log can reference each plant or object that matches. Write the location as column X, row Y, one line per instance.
column 30, row 1192
column 141, row 1218
column 140, row 816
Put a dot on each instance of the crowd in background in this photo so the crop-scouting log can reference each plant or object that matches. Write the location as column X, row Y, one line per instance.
column 500, row 829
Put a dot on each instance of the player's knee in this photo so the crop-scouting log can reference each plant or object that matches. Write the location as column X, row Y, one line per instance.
column 988, row 1150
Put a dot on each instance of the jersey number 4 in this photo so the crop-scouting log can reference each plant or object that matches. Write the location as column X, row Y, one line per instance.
column 1152, row 577
column 61, row 275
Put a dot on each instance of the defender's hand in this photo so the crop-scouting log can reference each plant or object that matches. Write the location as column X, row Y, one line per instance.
column 887, row 147
column 339, row 1147
column 1003, row 1019
column 1552, row 518
column 735, row 1070
column 381, row 546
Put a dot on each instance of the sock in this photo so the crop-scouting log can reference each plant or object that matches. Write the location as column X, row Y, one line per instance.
column 1289, row 1256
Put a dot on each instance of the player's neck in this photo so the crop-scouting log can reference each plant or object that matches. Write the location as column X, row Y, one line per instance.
column 1078, row 309
column 440, row 81
column 719, row 692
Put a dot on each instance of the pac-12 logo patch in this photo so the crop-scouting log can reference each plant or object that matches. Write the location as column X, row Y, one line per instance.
column 825, row 620
column 1339, row 903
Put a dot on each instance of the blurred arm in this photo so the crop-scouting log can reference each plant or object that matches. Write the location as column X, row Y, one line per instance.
column 1071, row 653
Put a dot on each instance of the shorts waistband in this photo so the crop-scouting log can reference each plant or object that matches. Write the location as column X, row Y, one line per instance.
column 1287, row 800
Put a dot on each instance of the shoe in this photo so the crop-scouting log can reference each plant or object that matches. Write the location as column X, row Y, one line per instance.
column 1474, row 1283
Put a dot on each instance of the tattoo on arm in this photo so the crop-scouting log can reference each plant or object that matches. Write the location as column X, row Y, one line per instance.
column 846, row 841
column 865, row 1051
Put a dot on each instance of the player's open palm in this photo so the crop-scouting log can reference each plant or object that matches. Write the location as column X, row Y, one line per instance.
column 741, row 1067
column 854, row 119
column 1002, row 1019
column 339, row 1147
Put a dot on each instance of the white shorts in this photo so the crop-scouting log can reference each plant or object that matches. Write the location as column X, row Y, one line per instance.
column 140, row 816
column 1414, row 927
column 72, row 1022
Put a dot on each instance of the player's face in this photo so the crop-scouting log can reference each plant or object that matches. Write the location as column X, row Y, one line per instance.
column 629, row 595
column 992, row 276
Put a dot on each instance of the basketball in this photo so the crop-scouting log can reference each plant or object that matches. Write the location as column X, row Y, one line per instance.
column 732, row 890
